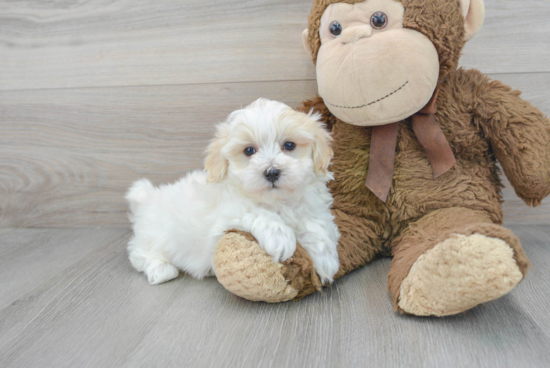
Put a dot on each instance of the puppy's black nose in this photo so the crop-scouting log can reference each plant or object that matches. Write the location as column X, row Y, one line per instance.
column 272, row 174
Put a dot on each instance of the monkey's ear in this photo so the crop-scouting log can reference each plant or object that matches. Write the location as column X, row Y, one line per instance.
column 215, row 163
column 473, row 12
column 305, row 42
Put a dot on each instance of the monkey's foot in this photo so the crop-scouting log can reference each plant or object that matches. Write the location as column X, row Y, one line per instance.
column 246, row 270
column 459, row 273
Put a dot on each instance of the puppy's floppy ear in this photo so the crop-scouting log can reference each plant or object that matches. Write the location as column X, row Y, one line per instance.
column 322, row 151
column 215, row 163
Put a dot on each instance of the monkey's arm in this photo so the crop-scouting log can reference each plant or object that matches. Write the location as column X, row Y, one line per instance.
column 519, row 135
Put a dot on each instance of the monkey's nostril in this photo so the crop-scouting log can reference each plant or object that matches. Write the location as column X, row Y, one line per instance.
column 272, row 175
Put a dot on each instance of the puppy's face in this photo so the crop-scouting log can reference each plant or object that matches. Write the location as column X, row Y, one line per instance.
column 268, row 146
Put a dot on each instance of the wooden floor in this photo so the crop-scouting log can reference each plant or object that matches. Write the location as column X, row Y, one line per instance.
column 71, row 299
column 96, row 94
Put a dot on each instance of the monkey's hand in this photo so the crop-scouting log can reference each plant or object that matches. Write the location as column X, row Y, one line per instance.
column 519, row 135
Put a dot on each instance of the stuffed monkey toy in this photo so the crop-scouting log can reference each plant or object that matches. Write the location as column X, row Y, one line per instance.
column 416, row 146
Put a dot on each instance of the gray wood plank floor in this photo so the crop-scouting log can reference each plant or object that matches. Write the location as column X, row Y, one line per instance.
column 70, row 298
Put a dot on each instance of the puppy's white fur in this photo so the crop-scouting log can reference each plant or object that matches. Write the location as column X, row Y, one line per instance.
column 178, row 226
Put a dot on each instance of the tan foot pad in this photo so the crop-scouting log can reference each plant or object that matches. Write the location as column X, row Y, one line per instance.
column 458, row 274
column 246, row 270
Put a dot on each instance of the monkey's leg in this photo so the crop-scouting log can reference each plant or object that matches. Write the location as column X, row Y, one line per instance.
column 360, row 241
column 246, row 270
column 452, row 260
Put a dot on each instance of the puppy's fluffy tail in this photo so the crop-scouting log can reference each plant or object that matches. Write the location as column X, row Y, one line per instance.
column 139, row 194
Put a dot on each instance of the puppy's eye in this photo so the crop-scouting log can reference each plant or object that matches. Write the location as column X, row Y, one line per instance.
column 379, row 20
column 249, row 151
column 289, row 146
column 335, row 28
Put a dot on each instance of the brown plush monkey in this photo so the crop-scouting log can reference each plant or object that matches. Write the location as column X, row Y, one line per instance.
column 416, row 142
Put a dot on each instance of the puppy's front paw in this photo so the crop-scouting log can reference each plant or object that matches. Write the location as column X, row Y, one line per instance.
column 326, row 266
column 158, row 271
column 323, row 253
column 279, row 241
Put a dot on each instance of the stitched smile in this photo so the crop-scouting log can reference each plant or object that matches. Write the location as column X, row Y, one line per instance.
column 373, row 102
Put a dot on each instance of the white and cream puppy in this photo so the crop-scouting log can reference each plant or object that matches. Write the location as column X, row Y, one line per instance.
column 265, row 173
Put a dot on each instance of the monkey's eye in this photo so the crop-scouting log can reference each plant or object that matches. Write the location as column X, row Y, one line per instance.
column 379, row 20
column 335, row 28
column 249, row 151
column 289, row 146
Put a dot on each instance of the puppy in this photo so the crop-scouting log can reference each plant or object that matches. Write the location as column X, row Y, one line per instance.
column 266, row 174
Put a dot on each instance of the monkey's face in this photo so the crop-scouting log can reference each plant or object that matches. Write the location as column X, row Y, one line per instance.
column 371, row 70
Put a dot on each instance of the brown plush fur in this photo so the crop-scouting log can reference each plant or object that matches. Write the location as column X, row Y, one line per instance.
column 475, row 114
column 483, row 121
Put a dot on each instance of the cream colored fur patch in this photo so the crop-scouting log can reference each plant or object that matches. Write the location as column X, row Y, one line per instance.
column 458, row 274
